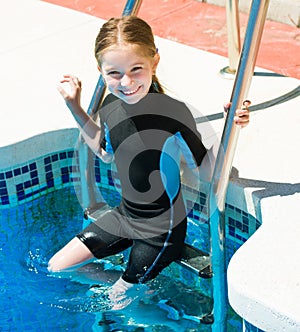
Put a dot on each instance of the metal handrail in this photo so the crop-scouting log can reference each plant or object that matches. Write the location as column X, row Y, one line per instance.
column 224, row 160
column 233, row 36
column 89, row 192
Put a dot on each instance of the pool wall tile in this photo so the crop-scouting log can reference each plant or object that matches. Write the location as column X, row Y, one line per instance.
column 36, row 177
column 250, row 328
column 59, row 169
column 26, row 181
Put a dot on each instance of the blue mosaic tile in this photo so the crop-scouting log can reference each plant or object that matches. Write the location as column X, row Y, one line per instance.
column 35, row 181
column 9, row 175
column 27, row 184
column 50, row 183
column 251, row 328
column 4, row 200
column 17, row 171
column 245, row 229
column 231, row 231
column 49, row 175
column 70, row 154
column 65, row 170
column 229, row 206
column 3, row 191
column 47, row 160
column 21, row 195
column 62, row 155
column 25, row 169
column 54, row 157
column 65, row 178
column 32, row 166
column 19, row 186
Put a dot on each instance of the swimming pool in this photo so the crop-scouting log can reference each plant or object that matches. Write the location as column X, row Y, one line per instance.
column 40, row 212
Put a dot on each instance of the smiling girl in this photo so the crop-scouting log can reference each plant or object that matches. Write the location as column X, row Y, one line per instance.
column 146, row 132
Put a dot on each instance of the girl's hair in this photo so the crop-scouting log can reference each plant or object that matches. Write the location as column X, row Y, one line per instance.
column 127, row 30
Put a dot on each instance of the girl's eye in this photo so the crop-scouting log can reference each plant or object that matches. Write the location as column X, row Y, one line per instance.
column 135, row 69
column 114, row 73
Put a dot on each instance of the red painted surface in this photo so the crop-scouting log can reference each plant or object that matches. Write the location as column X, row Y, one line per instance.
column 203, row 26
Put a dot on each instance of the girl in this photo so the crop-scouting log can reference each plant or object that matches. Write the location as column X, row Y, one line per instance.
column 145, row 132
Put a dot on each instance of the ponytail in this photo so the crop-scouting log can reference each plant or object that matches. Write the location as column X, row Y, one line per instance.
column 156, row 85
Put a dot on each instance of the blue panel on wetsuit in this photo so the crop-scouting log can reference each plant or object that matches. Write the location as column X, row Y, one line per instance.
column 170, row 163
column 108, row 147
column 187, row 153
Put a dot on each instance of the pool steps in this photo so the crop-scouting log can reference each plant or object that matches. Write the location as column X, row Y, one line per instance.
column 193, row 259
column 175, row 314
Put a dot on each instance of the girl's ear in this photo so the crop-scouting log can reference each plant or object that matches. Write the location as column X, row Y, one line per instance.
column 99, row 68
column 155, row 62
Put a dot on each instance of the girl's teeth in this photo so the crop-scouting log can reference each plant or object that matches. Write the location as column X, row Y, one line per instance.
column 129, row 92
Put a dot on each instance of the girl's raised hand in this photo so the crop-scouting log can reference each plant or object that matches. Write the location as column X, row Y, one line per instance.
column 70, row 89
column 241, row 115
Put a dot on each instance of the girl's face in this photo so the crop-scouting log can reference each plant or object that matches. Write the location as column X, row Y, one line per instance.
column 127, row 72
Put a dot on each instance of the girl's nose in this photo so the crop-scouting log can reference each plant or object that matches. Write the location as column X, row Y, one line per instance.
column 126, row 80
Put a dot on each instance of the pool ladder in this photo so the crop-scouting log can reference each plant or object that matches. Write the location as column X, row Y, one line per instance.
column 193, row 259
column 205, row 265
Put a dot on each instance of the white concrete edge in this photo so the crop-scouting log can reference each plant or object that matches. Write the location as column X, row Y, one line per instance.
column 45, row 143
column 263, row 275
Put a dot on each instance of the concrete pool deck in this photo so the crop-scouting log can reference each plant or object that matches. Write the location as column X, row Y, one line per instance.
column 41, row 41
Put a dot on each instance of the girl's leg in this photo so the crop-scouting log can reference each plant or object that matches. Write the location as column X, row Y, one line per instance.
column 74, row 253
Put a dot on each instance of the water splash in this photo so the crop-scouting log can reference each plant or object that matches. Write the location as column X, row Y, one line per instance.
column 36, row 262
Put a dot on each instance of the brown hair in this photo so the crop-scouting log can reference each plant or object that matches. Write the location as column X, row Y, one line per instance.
column 127, row 30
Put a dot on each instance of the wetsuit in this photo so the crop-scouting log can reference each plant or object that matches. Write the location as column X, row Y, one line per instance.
column 147, row 140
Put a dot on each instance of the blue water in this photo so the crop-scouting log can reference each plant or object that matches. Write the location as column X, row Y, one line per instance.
column 32, row 299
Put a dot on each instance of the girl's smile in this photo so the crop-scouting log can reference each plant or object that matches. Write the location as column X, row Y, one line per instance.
column 128, row 72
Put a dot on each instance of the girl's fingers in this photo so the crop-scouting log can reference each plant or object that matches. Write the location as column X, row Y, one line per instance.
column 242, row 112
column 226, row 107
column 246, row 103
column 71, row 79
column 242, row 118
column 241, row 115
column 69, row 86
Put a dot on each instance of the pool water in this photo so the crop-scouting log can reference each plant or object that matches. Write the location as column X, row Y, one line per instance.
column 32, row 299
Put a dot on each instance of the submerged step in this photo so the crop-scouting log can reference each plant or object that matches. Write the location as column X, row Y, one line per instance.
column 193, row 259
column 196, row 260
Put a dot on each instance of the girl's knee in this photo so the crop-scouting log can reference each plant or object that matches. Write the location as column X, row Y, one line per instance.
column 55, row 263
column 74, row 253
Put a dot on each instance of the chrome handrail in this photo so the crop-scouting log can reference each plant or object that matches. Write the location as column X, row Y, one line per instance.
column 233, row 36
column 224, row 160
column 89, row 192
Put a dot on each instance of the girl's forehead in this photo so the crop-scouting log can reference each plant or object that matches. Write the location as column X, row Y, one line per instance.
column 124, row 51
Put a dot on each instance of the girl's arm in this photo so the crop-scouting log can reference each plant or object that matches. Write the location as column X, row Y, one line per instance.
column 90, row 131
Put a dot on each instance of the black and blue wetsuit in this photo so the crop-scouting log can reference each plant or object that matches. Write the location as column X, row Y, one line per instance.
column 147, row 139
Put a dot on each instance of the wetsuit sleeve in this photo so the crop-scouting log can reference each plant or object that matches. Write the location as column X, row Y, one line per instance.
column 105, row 134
